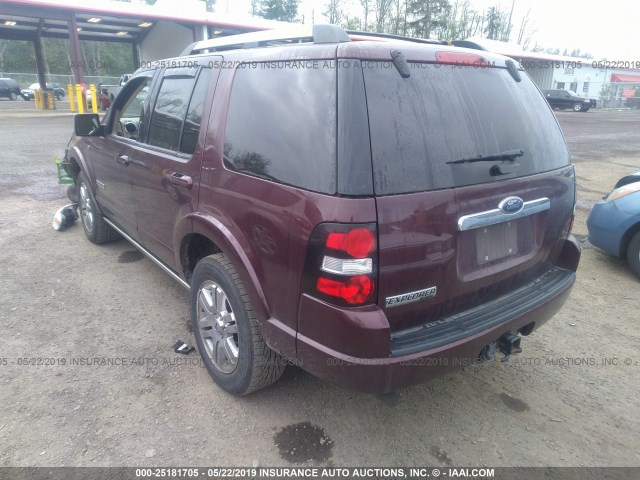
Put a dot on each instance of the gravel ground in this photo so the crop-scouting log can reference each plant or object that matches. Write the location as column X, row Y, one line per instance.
column 123, row 398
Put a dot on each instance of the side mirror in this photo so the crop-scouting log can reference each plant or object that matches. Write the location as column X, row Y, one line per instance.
column 88, row 125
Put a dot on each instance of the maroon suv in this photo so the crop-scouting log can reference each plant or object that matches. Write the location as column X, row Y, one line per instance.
column 378, row 212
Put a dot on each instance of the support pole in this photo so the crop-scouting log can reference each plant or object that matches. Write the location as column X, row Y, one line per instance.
column 40, row 65
column 135, row 50
column 75, row 50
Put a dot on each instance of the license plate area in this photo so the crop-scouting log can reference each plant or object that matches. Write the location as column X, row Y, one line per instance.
column 497, row 242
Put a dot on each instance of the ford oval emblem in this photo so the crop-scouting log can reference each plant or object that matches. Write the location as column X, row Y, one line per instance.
column 511, row 205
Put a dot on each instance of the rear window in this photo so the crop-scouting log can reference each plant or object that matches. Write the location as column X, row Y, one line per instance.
column 444, row 113
column 281, row 124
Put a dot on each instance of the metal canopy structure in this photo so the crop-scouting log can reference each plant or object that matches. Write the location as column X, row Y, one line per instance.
column 33, row 20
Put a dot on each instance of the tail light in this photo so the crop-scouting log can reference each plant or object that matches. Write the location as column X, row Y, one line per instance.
column 341, row 264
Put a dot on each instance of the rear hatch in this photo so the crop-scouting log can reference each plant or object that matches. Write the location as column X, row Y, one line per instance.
column 456, row 150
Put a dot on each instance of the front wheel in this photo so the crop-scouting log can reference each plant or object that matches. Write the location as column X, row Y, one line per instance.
column 226, row 330
column 95, row 228
column 577, row 107
column 633, row 254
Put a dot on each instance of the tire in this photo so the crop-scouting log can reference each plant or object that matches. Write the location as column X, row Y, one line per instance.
column 577, row 107
column 633, row 254
column 226, row 330
column 13, row 96
column 93, row 224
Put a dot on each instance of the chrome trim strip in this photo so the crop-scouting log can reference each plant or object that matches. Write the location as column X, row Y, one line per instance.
column 492, row 217
column 148, row 254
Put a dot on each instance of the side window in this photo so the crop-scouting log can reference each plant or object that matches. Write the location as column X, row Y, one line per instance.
column 129, row 118
column 176, row 117
column 194, row 113
column 281, row 125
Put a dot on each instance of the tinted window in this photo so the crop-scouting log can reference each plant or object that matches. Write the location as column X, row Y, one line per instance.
column 194, row 113
column 282, row 125
column 450, row 113
column 171, row 108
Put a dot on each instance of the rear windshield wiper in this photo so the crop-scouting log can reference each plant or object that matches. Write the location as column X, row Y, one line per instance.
column 508, row 155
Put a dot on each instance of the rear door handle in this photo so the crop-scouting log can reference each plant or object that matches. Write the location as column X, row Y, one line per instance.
column 181, row 180
column 122, row 159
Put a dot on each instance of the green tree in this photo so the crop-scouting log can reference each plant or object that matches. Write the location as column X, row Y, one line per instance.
column 429, row 17
column 463, row 22
column 365, row 7
column 497, row 25
column 333, row 11
column 283, row 10
column 605, row 95
column 382, row 11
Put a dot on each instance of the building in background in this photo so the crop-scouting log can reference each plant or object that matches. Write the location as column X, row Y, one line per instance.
column 612, row 85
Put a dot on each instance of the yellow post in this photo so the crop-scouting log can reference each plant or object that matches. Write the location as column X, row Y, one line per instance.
column 71, row 102
column 80, row 98
column 94, row 98
column 36, row 98
column 51, row 101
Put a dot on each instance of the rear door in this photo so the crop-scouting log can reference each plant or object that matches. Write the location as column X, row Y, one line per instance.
column 447, row 231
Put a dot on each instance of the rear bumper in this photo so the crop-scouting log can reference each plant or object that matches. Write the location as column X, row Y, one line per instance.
column 428, row 352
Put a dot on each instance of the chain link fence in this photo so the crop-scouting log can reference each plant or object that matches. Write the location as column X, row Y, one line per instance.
column 27, row 79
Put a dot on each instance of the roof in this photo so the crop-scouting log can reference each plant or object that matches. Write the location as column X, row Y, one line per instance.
column 115, row 20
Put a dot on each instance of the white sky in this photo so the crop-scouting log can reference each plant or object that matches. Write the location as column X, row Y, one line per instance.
column 605, row 28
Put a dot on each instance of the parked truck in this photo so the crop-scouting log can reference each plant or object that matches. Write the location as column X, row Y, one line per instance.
column 108, row 93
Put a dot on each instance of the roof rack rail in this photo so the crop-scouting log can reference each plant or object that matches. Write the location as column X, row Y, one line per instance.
column 397, row 37
column 468, row 44
column 324, row 33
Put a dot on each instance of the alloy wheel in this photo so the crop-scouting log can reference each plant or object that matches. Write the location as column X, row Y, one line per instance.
column 217, row 327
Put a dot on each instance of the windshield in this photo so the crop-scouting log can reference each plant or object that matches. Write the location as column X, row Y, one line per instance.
column 422, row 126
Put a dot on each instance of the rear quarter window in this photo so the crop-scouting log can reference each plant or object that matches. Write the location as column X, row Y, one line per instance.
column 281, row 124
column 444, row 113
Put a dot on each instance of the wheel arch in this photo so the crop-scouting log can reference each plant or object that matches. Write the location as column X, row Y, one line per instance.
column 626, row 238
column 208, row 236
column 80, row 164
